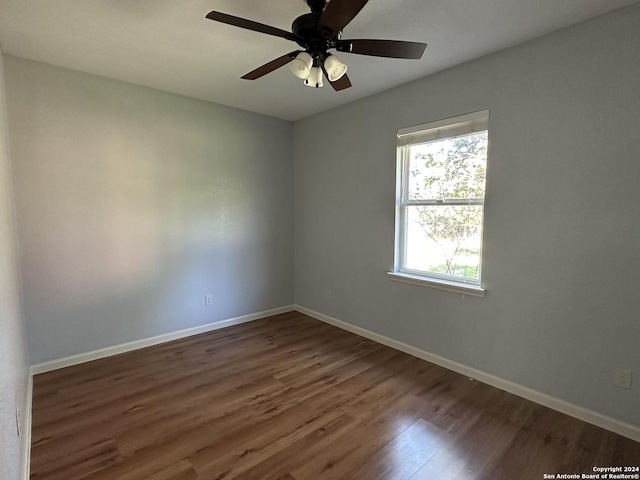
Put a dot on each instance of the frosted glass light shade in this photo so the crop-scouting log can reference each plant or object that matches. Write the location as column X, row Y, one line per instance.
column 301, row 65
column 335, row 68
column 315, row 78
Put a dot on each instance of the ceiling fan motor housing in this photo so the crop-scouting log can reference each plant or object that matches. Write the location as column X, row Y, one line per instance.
column 306, row 28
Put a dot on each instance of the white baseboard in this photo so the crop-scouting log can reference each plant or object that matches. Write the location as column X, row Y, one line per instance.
column 622, row 428
column 147, row 342
column 26, row 431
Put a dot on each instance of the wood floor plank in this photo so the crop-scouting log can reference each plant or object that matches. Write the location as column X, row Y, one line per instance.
column 78, row 463
column 194, row 413
column 182, row 470
column 290, row 398
column 188, row 381
column 247, row 447
column 151, row 403
column 220, row 426
column 469, row 450
column 279, row 464
column 540, row 446
column 349, row 452
column 403, row 456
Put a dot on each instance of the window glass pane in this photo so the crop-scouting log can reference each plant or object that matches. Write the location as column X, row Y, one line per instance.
column 444, row 239
column 452, row 168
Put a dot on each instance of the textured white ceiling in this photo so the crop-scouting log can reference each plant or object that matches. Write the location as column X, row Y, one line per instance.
column 170, row 45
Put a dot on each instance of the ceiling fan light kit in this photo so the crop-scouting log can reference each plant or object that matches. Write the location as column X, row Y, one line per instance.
column 301, row 65
column 306, row 68
column 315, row 78
column 317, row 33
column 334, row 67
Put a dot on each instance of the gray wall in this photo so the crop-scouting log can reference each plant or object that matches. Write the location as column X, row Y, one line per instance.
column 13, row 358
column 133, row 204
column 561, row 258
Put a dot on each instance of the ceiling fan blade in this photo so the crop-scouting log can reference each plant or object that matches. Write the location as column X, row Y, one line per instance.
column 338, row 14
column 383, row 48
column 271, row 66
column 341, row 84
column 251, row 25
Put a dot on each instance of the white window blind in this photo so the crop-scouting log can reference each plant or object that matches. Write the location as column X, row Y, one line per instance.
column 452, row 127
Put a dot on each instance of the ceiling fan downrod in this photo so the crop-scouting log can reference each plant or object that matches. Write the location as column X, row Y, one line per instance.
column 316, row 6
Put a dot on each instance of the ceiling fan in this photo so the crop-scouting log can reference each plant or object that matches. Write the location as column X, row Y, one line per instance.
column 317, row 33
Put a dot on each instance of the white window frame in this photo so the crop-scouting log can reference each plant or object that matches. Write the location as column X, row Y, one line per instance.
column 441, row 129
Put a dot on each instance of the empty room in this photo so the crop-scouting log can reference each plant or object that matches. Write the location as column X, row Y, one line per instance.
column 319, row 240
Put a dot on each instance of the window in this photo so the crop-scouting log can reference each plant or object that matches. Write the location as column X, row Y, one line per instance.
column 441, row 175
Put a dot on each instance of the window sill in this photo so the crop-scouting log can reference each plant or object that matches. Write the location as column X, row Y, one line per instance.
column 464, row 289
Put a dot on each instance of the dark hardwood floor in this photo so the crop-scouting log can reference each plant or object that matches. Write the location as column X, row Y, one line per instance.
column 291, row 398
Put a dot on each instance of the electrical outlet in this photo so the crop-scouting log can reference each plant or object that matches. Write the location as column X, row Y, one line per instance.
column 328, row 294
column 208, row 300
column 18, row 421
column 622, row 378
